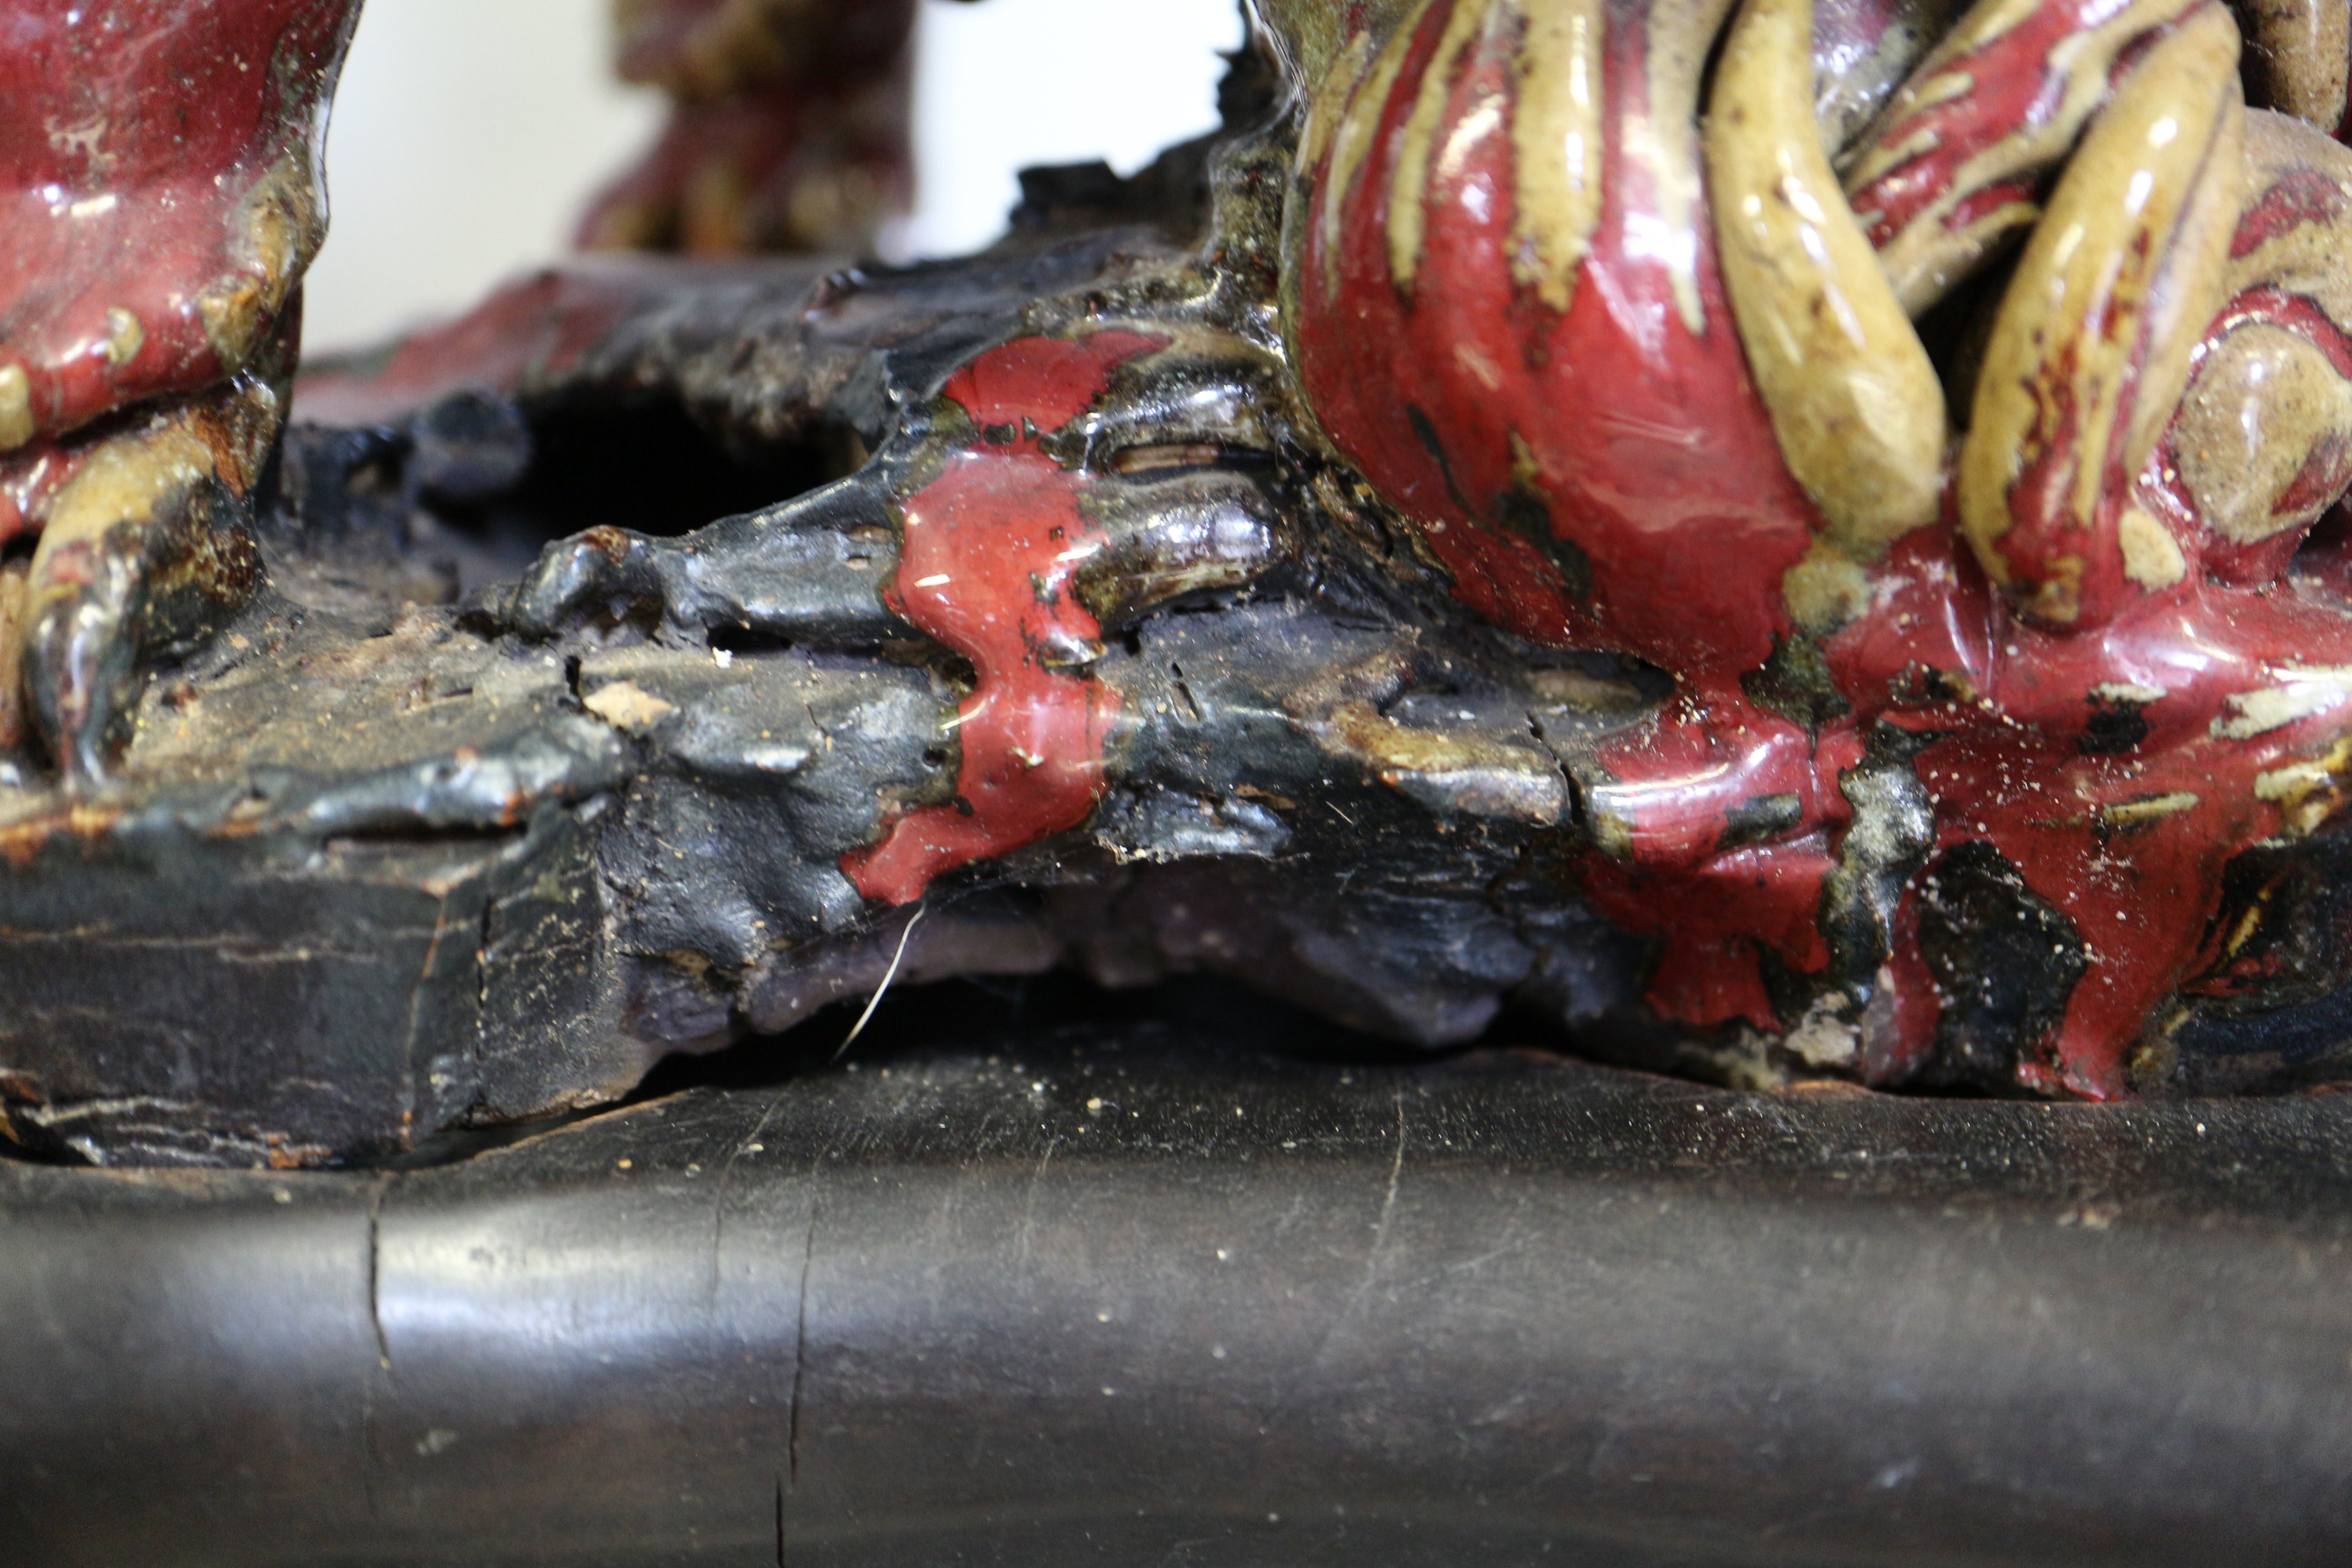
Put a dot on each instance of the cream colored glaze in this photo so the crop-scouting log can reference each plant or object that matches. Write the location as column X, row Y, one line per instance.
column 2263, row 404
column 1664, row 143
column 2152, row 556
column 1355, row 124
column 1329, row 102
column 1854, row 400
column 2306, row 259
column 1555, row 144
column 2298, row 55
column 2115, row 288
column 1409, row 182
column 12, row 653
column 1853, row 82
column 280, row 225
column 15, row 407
column 1928, row 258
column 126, row 482
column 1311, row 35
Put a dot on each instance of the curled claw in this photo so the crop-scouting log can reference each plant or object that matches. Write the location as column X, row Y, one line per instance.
column 1854, row 400
column 606, row 571
column 2092, row 347
column 148, row 547
column 992, row 542
column 1951, row 169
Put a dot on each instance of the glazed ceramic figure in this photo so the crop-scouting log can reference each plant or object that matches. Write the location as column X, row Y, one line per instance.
column 1633, row 343
column 1952, row 442
column 1791, row 540
column 162, row 157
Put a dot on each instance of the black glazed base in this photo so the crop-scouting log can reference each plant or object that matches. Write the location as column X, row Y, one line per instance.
column 1125, row 1294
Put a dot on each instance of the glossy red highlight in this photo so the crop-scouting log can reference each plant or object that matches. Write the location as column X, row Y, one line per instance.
column 989, row 550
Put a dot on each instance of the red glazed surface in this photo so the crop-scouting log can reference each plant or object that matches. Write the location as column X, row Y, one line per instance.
column 1605, row 476
column 990, row 550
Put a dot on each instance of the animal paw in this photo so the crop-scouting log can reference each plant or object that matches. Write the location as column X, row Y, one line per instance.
column 158, row 170
column 147, row 548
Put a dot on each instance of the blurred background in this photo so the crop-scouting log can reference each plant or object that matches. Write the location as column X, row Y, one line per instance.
column 468, row 133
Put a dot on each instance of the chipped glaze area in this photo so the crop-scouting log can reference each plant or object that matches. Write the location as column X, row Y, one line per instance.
column 1605, row 476
column 991, row 550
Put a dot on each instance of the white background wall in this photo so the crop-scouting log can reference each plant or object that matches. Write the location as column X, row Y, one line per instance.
column 468, row 133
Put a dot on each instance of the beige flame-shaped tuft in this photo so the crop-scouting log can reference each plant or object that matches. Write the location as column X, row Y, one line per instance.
column 2091, row 350
column 1556, row 144
column 1854, row 400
